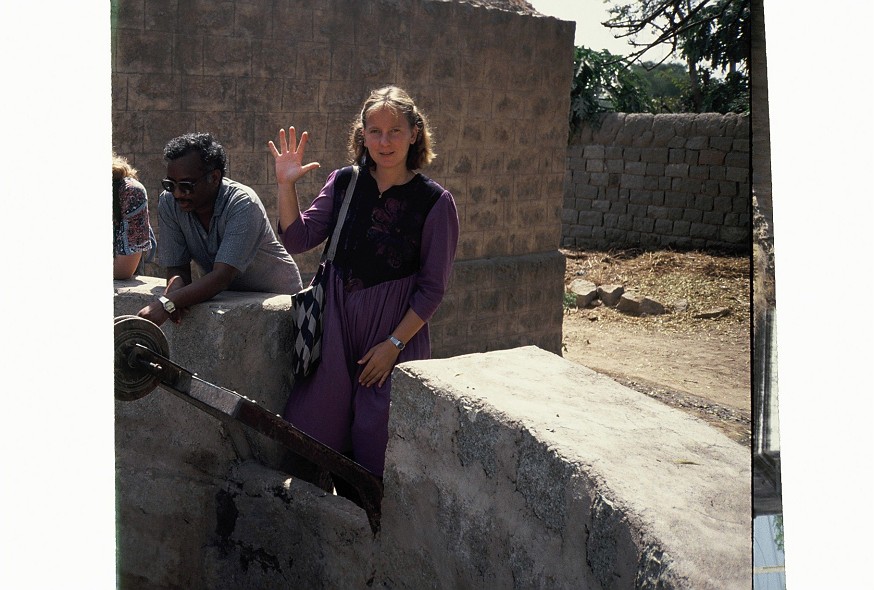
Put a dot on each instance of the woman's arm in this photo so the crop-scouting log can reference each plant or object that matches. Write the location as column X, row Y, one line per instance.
column 125, row 265
column 439, row 243
column 380, row 360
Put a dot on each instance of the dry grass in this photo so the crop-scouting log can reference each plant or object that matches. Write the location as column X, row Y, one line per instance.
column 704, row 281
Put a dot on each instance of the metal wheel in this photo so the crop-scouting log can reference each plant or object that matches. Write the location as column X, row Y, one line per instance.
column 132, row 382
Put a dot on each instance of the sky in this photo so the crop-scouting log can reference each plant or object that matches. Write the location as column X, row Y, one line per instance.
column 57, row 478
column 767, row 554
column 588, row 15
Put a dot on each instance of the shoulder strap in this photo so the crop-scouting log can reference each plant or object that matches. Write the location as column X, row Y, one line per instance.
column 341, row 218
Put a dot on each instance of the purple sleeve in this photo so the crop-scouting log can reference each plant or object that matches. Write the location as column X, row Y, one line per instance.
column 314, row 224
column 439, row 240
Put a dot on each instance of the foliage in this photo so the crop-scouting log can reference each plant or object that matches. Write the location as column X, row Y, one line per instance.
column 712, row 36
column 570, row 301
column 729, row 95
column 665, row 83
column 670, row 90
column 717, row 31
column 778, row 532
column 602, row 83
column 719, row 35
column 709, row 35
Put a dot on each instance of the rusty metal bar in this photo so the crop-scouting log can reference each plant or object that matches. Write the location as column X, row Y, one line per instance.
column 223, row 404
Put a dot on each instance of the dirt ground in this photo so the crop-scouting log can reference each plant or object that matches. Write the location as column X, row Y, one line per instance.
column 700, row 365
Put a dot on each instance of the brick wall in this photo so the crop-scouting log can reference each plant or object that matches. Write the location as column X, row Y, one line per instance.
column 641, row 180
column 243, row 69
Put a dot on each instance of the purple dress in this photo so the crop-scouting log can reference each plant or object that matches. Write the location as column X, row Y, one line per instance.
column 395, row 252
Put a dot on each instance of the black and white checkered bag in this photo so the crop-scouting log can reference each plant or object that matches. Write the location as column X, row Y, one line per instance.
column 308, row 305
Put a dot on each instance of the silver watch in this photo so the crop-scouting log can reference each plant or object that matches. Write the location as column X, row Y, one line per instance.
column 398, row 344
column 169, row 306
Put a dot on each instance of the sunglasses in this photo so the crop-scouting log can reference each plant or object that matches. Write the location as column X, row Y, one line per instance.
column 185, row 187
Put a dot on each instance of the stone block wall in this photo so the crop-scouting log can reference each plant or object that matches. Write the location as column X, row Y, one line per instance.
column 242, row 69
column 655, row 181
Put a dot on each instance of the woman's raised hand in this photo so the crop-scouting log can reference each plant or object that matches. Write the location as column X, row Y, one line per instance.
column 289, row 157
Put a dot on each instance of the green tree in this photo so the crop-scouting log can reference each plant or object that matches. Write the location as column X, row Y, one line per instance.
column 778, row 532
column 723, row 95
column 604, row 82
column 667, row 84
column 707, row 34
column 669, row 88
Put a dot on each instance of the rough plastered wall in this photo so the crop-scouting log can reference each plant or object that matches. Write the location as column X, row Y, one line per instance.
column 506, row 469
column 654, row 181
column 243, row 69
column 519, row 469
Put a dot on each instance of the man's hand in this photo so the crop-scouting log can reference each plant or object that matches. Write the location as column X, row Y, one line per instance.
column 289, row 157
column 176, row 283
column 154, row 312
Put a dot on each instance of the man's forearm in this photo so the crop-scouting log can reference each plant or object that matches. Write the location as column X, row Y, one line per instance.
column 184, row 272
column 204, row 288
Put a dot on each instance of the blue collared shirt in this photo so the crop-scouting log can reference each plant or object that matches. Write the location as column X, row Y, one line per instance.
column 239, row 235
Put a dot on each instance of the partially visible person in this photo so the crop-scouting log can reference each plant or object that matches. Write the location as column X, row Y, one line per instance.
column 218, row 223
column 131, row 232
column 388, row 277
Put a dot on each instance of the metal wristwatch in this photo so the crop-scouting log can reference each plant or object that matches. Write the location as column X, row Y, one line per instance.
column 398, row 344
column 169, row 306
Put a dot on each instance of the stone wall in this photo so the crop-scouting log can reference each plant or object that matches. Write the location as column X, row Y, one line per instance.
column 242, row 69
column 656, row 181
column 508, row 469
column 171, row 458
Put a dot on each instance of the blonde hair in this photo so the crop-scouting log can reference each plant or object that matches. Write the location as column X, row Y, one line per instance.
column 121, row 168
column 421, row 152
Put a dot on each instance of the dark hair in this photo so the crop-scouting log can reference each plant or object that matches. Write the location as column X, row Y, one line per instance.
column 421, row 152
column 212, row 154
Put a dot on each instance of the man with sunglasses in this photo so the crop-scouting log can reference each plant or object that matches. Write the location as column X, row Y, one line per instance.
column 220, row 224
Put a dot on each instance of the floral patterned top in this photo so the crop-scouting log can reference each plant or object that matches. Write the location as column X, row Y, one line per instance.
column 131, row 232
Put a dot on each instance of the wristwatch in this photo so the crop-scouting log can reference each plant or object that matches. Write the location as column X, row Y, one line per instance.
column 169, row 306
column 398, row 344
